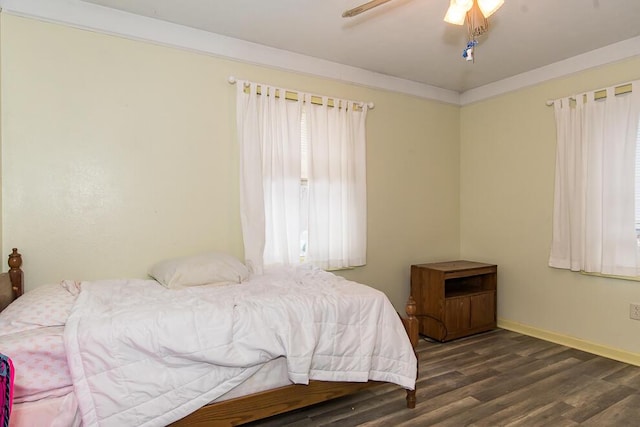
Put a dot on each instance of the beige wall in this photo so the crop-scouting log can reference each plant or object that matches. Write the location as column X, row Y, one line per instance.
column 1, row 178
column 118, row 153
column 507, row 177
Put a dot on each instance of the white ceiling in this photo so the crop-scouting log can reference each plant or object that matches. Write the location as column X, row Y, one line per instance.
column 408, row 38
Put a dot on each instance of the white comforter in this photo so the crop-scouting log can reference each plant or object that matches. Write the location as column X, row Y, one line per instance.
column 142, row 355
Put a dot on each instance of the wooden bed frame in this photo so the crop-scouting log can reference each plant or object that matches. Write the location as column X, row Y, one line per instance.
column 264, row 404
column 267, row 403
column 15, row 273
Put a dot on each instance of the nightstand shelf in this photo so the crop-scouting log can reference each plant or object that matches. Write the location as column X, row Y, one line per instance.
column 454, row 299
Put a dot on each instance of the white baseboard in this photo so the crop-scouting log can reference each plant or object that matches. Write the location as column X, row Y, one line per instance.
column 600, row 350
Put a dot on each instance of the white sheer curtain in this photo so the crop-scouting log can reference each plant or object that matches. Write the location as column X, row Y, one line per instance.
column 337, row 184
column 269, row 136
column 594, row 217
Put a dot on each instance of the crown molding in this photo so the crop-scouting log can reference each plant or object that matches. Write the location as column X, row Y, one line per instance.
column 89, row 16
column 602, row 56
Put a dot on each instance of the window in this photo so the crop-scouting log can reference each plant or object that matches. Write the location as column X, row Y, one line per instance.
column 595, row 227
column 337, row 215
column 303, row 178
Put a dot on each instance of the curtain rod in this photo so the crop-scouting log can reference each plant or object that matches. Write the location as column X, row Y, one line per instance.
column 292, row 95
column 600, row 93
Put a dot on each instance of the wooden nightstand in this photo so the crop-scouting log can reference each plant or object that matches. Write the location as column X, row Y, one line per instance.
column 454, row 299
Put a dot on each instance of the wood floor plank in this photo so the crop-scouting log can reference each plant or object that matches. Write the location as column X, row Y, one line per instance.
column 549, row 352
column 506, row 383
column 590, row 390
column 498, row 378
column 527, row 413
column 599, row 404
column 621, row 414
column 503, row 411
column 629, row 376
column 431, row 418
column 601, row 367
column 526, row 399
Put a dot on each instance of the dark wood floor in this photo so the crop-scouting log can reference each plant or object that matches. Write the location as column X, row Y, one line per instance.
column 498, row 378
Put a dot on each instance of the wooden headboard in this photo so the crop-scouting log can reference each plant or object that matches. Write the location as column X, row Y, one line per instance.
column 11, row 282
column 15, row 273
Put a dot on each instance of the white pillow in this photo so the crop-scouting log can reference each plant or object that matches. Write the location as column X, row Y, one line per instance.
column 204, row 269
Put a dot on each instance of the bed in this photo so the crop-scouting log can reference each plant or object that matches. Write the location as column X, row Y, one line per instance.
column 234, row 406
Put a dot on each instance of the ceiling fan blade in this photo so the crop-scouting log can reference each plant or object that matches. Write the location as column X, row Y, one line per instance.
column 363, row 8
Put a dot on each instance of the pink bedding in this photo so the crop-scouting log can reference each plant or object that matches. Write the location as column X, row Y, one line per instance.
column 40, row 363
column 59, row 411
column 43, row 388
column 31, row 334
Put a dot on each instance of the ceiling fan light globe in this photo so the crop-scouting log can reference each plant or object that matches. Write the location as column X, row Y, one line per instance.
column 488, row 7
column 455, row 15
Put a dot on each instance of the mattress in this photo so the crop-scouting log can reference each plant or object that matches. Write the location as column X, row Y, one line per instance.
column 61, row 410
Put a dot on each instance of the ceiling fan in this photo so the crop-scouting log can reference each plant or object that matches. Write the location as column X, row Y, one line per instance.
column 473, row 12
column 363, row 8
column 455, row 14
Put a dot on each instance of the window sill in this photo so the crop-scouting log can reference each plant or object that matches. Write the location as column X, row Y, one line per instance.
column 612, row 276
